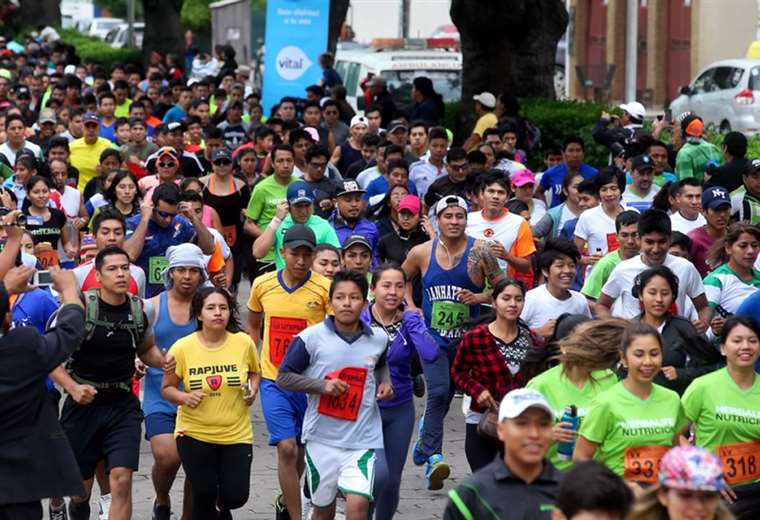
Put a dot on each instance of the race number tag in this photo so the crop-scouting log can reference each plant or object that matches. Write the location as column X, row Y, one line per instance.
column 345, row 406
column 449, row 315
column 612, row 242
column 156, row 267
column 741, row 461
column 281, row 333
column 47, row 259
column 642, row 464
column 230, row 234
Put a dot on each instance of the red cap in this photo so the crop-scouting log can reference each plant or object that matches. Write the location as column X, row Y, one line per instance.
column 410, row 203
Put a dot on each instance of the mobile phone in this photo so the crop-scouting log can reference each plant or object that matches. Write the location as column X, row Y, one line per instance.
column 668, row 115
column 42, row 279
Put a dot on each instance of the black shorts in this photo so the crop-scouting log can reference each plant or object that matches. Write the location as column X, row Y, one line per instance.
column 109, row 429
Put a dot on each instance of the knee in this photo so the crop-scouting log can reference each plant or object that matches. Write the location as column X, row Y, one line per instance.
column 438, row 389
column 287, row 452
column 234, row 498
column 166, row 458
column 121, row 481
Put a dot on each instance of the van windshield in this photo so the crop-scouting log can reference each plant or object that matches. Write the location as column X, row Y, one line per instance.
column 447, row 83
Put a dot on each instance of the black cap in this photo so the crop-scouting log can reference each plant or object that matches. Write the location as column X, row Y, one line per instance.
column 356, row 240
column 642, row 162
column 299, row 236
column 23, row 91
column 753, row 167
column 349, row 186
column 222, row 153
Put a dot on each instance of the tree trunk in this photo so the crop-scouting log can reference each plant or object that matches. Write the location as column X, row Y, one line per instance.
column 508, row 46
column 163, row 32
column 338, row 11
column 36, row 13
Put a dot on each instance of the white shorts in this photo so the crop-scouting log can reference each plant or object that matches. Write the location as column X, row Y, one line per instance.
column 329, row 469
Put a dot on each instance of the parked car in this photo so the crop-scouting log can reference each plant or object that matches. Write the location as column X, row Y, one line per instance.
column 725, row 94
column 99, row 27
column 118, row 36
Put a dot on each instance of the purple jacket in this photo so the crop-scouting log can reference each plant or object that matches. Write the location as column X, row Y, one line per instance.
column 413, row 336
column 362, row 227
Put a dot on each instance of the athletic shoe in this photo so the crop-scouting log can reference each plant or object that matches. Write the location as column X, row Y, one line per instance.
column 458, row 394
column 58, row 514
column 418, row 385
column 306, row 507
column 79, row 510
column 161, row 512
column 280, row 511
column 436, row 471
column 104, row 503
column 417, row 456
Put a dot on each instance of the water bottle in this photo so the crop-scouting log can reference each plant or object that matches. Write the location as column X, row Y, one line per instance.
column 565, row 449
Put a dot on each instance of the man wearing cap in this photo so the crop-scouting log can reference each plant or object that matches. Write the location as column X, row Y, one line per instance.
column 522, row 483
column 745, row 201
column 716, row 208
column 641, row 192
column 398, row 134
column 284, row 303
column 696, row 153
column 166, row 167
column 347, row 218
column 350, row 151
column 624, row 128
column 179, row 111
column 485, row 103
column 298, row 209
column 85, row 151
column 357, row 255
column 45, row 127
column 170, row 318
column 454, row 269
column 23, row 98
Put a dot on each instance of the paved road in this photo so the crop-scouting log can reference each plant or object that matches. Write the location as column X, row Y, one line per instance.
column 417, row 503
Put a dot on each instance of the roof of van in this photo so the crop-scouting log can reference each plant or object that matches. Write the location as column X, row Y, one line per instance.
column 403, row 59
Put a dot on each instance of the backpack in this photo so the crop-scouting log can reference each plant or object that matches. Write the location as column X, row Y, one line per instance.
column 136, row 327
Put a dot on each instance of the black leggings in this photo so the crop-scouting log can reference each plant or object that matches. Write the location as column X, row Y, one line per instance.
column 23, row 511
column 479, row 450
column 219, row 474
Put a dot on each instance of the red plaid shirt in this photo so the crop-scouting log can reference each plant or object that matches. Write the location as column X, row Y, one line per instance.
column 479, row 365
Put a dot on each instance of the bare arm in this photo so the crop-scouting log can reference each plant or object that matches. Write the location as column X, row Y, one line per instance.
column 254, row 325
column 12, row 245
column 584, row 449
column 471, row 142
column 482, row 265
column 204, row 237
column 216, row 222
column 411, row 268
column 335, row 159
column 603, row 307
column 134, row 244
column 265, row 240
column 251, row 229
column 150, row 354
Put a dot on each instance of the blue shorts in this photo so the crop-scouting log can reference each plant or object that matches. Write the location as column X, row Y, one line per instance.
column 283, row 412
column 159, row 423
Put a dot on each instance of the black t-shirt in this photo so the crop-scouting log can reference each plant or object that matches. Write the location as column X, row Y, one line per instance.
column 443, row 187
column 46, row 230
column 324, row 188
column 109, row 356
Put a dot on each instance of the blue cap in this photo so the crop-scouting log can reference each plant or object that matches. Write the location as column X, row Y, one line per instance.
column 300, row 192
column 715, row 197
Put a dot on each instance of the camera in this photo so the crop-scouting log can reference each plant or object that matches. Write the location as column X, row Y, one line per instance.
column 20, row 218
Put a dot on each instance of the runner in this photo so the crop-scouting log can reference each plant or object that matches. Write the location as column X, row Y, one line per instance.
column 555, row 218
column 326, row 260
column 687, row 206
column 335, row 362
column 552, row 180
column 357, row 255
column 634, row 423
column 453, row 276
column 595, row 231
column 283, row 303
column 640, row 194
column 101, row 415
column 724, row 406
column 716, row 207
column 219, row 367
column 347, row 218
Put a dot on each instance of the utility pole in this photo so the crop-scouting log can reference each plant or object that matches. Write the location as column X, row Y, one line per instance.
column 631, row 49
column 131, row 23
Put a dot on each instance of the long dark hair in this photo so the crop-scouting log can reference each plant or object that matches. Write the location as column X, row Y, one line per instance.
column 110, row 194
column 233, row 325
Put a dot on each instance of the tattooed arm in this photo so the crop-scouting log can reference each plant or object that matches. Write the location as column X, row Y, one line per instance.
column 482, row 265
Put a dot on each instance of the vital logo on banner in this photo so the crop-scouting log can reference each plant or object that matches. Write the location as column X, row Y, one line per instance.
column 296, row 34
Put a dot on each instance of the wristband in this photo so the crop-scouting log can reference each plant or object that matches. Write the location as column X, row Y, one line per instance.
column 274, row 224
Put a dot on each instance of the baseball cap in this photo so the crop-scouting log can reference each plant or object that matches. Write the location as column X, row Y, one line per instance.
column 642, row 162
column 354, row 240
column 23, row 91
column 167, row 150
column 174, row 126
column 359, row 120
column 692, row 125
column 715, row 197
column 450, row 202
column 90, row 117
column 222, row 153
column 47, row 115
column 519, row 400
column 299, row 236
column 300, row 192
column 691, row 468
column 523, row 177
column 634, row 108
column 396, row 124
column 410, row 203
column 753, row 167
column 349, row 186
column 486, row 99
column 243, row 69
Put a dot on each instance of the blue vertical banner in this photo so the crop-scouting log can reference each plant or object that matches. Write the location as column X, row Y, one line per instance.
column 296, row 34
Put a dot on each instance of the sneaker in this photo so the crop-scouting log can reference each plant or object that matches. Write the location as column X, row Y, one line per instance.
column 280, row 511
column 79, row 510
column 418, row 385
column 436, row 471
column 58, row 514
column 161, row 512
column 306, row 507
column 458, row 394
column 417, row 456
column 104, row 505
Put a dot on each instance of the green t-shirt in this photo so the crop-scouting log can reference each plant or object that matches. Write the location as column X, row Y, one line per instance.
column 722, row 412
column 618, row 420
column 323, row 231
column 592, row 287
column 263, row 205
column 693, row 157
column 561, row 392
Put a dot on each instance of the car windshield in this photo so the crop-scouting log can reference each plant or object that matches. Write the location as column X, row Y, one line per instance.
column 104, row 25
column 448, row 83
column 754, row 78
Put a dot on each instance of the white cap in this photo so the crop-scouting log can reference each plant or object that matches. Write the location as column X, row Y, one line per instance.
column 359, row 120
column 450, row 201
column 486, row 99
column 634, row 108
column 519, row 400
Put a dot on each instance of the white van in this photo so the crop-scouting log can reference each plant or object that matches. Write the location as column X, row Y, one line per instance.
column 399, row 67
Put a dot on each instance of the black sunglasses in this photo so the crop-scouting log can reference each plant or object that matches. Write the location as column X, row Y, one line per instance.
column 223, row 162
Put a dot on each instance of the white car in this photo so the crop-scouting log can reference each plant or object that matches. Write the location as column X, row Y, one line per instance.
column 99, row 27
column 118, row 36
column 725, row 94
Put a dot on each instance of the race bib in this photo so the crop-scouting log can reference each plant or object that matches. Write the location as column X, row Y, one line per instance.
column 449, row 315
column 230, row 234
column 47, row 259
column 642, row 464
column 741, row 461
column 345, row 406
column 612, row 242
column 281, row 333
column 156, row 267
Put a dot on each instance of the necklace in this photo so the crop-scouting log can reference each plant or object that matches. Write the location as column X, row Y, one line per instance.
column 379, row 319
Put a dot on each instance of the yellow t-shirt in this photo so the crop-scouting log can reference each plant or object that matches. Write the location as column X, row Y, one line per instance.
column 485, row 122
column 286, row 313
column 86, row 157
column 221, row 373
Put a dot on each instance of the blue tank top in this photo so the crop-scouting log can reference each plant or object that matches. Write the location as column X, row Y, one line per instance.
column 165, row 333
column 444, row 314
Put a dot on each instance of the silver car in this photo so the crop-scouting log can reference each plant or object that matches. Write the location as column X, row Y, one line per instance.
column 725, row 94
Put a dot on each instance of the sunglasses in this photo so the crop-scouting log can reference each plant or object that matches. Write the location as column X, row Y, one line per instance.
column 167, row 164
column 166, row 214
column 222, row 162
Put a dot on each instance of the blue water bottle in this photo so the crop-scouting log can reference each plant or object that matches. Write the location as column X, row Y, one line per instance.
column 565, row 449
